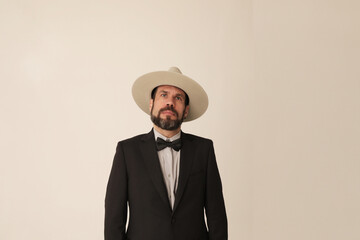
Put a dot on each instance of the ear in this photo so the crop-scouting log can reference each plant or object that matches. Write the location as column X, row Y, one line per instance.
column 187, row 108
column 151, row 104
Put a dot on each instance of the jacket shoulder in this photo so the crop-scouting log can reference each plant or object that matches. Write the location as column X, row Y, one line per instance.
column 135, row 139
column 193, row 137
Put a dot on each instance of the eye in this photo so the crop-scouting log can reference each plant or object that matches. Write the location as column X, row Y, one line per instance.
column 163, row 95
column 179, row 98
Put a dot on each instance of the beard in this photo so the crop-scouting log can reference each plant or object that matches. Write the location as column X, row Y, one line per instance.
column 168, row 123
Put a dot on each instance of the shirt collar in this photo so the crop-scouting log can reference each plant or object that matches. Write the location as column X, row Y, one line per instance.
column 173, row 138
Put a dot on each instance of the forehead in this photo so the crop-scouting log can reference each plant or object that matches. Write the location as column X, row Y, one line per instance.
column 171, row 89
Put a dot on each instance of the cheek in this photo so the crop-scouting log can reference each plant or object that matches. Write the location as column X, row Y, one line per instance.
column 182, row 111
column 155, row 108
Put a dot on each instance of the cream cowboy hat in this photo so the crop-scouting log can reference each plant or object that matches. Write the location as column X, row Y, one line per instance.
column 144, row 85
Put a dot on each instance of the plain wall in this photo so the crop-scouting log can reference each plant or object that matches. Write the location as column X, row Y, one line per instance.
column 283, row 81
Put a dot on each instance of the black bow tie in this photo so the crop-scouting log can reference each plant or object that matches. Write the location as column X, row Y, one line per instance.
column 161, row 144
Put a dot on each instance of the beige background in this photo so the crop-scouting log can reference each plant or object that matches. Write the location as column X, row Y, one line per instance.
column 283, row 80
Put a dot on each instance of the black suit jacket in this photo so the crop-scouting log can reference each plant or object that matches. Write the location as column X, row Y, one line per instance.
column 136, row 181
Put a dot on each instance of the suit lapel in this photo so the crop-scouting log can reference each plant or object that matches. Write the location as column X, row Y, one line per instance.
column 186, row 161
column 151, row 159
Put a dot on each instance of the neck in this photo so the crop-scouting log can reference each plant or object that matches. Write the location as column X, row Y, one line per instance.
column 167, row 133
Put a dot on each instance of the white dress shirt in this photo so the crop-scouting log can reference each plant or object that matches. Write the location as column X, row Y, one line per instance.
column 170, row 164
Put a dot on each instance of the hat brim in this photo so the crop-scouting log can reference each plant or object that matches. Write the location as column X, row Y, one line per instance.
column 144, row 85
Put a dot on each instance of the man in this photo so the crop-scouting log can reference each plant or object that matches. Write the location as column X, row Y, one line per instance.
column 166, row 178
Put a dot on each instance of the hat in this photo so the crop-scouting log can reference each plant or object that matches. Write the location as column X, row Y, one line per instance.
column 144, row 85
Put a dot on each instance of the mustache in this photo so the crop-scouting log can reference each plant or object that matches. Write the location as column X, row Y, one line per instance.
column 168, row 108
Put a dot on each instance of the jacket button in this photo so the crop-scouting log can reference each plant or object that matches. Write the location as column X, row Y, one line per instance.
column 173, row 220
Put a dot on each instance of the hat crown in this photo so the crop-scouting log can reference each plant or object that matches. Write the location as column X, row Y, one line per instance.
column 175, row 70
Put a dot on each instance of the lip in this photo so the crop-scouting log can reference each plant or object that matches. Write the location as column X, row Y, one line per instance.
column 168, row 112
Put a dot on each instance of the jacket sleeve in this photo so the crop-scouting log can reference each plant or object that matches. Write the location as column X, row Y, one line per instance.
column 116, row 198
column 214, row 204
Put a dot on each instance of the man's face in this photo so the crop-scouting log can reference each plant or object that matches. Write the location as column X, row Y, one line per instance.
column 168, row 109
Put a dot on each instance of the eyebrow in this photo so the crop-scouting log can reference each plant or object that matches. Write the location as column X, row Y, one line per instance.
column 178, row 94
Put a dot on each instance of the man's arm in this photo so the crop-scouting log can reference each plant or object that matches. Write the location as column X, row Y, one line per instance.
column 116, row 199
column 214, row 206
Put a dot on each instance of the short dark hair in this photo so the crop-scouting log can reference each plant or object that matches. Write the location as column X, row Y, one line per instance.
column 187, row 99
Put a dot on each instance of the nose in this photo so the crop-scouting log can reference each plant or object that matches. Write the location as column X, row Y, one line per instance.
column 170, row 102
